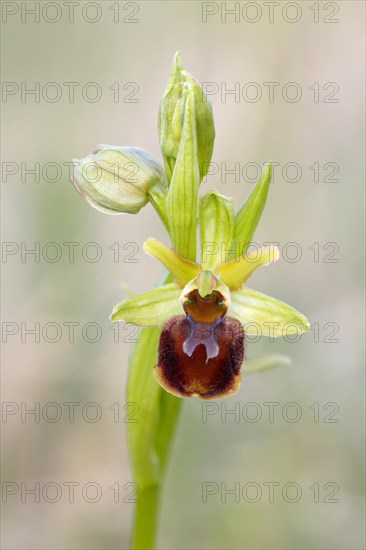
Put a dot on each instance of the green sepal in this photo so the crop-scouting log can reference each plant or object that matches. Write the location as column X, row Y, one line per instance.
column 216, row 214
column 266, row 316
column 150, row 309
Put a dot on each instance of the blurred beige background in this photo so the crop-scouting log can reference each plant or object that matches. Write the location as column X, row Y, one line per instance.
column 323, row 449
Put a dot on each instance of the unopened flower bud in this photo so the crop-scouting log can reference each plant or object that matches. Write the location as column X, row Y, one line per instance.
column 171, row 118
column 117, row 179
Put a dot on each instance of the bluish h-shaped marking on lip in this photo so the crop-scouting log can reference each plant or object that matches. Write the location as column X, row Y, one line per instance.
column 202, row 333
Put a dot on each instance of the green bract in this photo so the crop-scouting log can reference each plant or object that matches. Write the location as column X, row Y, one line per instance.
column 248, row 216
column 124, row 179
column 182, row 198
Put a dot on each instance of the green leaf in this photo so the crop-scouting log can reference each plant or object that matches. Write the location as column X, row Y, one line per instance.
column 182, row 196
column 143, row 391
column 169, row 407
column 262, row 315
column 182, row 270
column 235, row 272
column 150, row 309
column 247, row 219
column 216, row 228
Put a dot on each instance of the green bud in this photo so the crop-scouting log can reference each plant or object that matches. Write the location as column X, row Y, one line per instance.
column 117, row 179
column 171, row 119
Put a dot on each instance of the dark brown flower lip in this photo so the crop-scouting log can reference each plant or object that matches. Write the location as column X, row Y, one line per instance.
column 211, row 368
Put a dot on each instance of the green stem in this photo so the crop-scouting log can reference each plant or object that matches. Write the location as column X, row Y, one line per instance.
column 157, row 197
column 145, row 518
column 149, row 433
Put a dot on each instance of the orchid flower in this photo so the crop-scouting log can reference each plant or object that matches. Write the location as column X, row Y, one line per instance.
column 196, row 321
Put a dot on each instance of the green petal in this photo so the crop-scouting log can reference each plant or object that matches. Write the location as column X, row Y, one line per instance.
column 150, row 309
column 247, row 219
column 182, row 270
column 182, row 196
column 216, row 228
column 235, row 272
column 262, row 315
